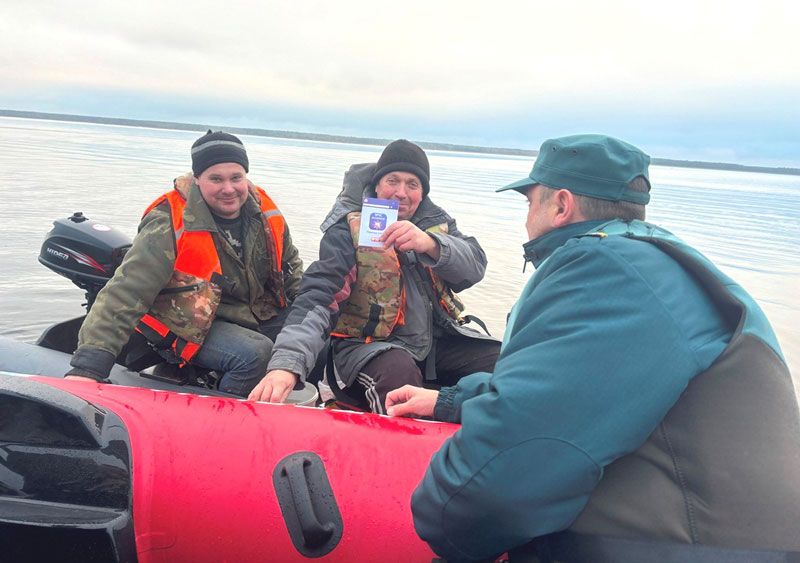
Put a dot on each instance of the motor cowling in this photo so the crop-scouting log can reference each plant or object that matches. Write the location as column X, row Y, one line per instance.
column 84, row 251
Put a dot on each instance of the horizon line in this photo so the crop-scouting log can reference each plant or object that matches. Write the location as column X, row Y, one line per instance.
column 348, row 139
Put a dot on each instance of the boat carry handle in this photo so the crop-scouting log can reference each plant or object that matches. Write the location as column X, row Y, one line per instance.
column 307, row 503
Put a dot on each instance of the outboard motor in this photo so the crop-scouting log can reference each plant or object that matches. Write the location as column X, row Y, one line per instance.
column 85, row 252
column 88, row 253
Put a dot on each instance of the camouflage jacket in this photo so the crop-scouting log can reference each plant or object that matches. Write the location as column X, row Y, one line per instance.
column 329, row 282
column 149, row 265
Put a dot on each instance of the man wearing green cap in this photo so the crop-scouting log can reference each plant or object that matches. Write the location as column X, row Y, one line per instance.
column 640, row 409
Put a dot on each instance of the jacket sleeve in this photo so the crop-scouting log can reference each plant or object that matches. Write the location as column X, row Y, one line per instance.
column 292, row 266
column 581, row 381
column 325, row 284
column 462, row 261
column 448, row 404
column 146, row 269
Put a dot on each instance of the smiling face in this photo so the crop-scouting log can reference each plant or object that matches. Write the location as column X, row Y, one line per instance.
column 405, row 188
column 224, row 188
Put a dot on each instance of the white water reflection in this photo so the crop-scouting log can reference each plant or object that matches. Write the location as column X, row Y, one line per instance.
column 747, row 223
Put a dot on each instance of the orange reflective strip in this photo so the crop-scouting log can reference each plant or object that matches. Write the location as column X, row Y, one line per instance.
column 162, row 329
column 189, row 350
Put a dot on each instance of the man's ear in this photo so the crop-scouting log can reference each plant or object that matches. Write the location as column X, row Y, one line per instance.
column 565, row 209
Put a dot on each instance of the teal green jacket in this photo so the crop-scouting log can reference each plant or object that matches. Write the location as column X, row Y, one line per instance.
column 602, row 342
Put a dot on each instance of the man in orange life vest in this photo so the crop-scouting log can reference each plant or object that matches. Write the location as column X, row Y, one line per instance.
column 208, row 279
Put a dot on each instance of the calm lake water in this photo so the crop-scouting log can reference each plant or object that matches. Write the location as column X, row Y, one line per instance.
column 747, row 223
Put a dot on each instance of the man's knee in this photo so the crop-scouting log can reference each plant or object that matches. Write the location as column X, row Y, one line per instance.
column 387, row 371
column 240, row 355
column 253, row 354
column 394, row 365
column 260, row 349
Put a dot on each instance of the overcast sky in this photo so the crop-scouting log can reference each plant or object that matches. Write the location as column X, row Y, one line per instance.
column 696, row 80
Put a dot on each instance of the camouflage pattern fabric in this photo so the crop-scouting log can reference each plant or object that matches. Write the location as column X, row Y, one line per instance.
column 187, row 306
column 379, row 287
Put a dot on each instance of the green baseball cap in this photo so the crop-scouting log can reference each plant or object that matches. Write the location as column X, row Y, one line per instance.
column 592, row 165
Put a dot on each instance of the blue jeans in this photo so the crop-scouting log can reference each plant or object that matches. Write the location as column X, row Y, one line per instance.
column 238, row 354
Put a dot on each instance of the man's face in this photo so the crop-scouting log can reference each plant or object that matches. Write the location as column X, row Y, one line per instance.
column 538, row 222
column 405, row 188
column 224, row 188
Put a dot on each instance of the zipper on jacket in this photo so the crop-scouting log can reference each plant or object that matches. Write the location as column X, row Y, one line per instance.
column 181, row 289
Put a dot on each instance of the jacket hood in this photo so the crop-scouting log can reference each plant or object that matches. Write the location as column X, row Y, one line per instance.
column 356, row 185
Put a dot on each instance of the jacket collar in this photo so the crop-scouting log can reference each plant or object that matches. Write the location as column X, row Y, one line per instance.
column 537, row 250
column 428, row 213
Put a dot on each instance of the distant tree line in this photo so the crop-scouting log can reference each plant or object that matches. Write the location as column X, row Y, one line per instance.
column 361, row 140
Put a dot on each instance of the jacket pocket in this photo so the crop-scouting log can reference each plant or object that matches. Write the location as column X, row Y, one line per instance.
column 187, row 305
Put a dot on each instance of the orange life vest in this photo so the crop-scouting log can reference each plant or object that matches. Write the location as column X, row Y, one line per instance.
column 181, row 315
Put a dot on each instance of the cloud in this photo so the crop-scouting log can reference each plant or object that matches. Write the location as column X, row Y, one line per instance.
column 460, row 70
column 349, row 54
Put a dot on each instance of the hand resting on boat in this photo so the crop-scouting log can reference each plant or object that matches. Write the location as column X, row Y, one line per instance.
column 80, row 378
column 411, row 401
column 274, row 387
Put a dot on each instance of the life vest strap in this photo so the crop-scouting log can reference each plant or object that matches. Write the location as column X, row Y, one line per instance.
column 164, row 341
column 375, row 311
column 156, row 333
column 473, row 319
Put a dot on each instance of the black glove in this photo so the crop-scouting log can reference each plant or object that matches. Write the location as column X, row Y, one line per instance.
column 91, row 362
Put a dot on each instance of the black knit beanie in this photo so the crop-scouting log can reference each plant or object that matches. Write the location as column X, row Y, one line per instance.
column 404, row 156
column 215, row 148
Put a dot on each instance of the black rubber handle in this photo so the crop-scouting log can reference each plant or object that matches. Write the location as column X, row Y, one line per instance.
column 315, row 533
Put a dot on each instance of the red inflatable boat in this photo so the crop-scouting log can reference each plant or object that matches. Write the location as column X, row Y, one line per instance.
column 92, row 472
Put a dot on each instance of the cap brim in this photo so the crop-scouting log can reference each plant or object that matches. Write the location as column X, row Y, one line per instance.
column 520, row 185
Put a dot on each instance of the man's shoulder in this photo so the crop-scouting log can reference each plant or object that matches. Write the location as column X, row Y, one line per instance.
column 155, row 238
column 342, row 226
column 598, row 256
column 158, row 218
column 338, row 239
column 616, row 263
